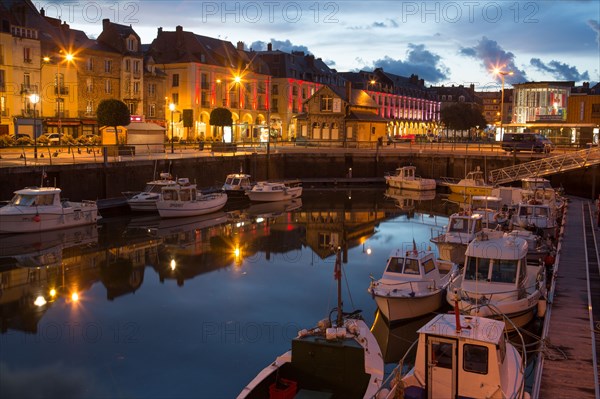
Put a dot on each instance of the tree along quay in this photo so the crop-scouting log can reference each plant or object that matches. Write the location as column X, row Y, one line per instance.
column 111, row 179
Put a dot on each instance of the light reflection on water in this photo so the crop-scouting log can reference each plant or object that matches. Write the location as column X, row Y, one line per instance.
column 195, row 307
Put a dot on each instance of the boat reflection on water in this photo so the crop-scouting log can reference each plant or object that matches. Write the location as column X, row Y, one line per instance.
column 44, row 248
column 407, row 200
column 273, row 209
column 395, row 339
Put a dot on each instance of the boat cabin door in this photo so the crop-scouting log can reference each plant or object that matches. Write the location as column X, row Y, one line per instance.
column 442, row 365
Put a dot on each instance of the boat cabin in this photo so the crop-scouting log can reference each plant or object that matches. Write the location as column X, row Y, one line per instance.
column 412, row 265
column 183, row 192
column 474, row 178
column 494, row 261
column 406, row 172
column 237, row 181
column 34, row 196
column 536, row 183
column 464, row 224
column 468, row 359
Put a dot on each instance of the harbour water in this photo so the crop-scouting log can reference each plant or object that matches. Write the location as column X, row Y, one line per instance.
column 150, row 308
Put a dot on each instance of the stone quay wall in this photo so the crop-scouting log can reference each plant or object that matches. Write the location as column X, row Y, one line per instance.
column 110, row 180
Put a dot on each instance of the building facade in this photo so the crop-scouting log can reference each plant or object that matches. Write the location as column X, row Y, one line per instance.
column 409, row 107
column 341, row 115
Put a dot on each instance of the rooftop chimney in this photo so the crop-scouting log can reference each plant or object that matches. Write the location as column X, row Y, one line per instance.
column 270, row 47
column 240, row 46
column 348, row 91
column 159, row 30
column 42, row 12
column 179, row 29
column 105, row 23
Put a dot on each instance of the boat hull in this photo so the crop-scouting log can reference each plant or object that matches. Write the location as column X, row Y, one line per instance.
column 269, row 196
column 395, row 308
column 470, row 190
column 206, row 204
column 415, row 185
column 30, row 221
column 142, row 205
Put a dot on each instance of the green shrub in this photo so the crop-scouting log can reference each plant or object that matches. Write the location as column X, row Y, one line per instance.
column 67, row 139
column 24, row 140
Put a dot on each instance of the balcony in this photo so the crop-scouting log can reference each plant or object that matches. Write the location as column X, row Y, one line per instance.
column 64, row 91
column 61, row 114
column 28, row 89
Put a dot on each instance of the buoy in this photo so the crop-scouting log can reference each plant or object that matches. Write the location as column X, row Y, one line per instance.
column 37, row 218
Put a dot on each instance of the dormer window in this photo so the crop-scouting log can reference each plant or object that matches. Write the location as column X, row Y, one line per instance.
column 132, row 44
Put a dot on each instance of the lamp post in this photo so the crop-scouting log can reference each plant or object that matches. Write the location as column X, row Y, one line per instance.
column 34, row 99
column 502, row 74
column 59, row 86
column 238, row 80
column 172, row 108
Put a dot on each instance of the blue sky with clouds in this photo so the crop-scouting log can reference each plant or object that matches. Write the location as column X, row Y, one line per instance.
column 444, row 42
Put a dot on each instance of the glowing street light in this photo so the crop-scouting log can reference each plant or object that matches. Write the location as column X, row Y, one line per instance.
column 498, row 71
column 34, row 99
column 172, row 108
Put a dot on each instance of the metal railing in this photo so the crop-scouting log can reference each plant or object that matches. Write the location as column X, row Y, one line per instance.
column 546, row 166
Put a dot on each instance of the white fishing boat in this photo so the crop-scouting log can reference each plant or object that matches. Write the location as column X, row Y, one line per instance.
column 275, row 191
column 461, row 230
column 413, row 284
column 497, row 281
column 462, row 357
column 473, row 184
column 237, row 184
column 336, row 359
column 35, row 209
column 184, row 199
column 405, row 178
column 145, row 201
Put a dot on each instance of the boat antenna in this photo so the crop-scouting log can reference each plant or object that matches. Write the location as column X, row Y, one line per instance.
column 337, row 274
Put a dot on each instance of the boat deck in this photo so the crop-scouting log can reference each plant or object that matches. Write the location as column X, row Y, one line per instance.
column 569, row 365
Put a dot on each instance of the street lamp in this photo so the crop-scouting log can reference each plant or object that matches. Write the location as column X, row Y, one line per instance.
column 34, row 99
column 502, row 74
column 172, row 108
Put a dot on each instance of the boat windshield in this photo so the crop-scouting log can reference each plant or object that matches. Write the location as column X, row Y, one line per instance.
column 533, row 211
column 411, row 266
column 152, row 188
column 505, row 271
column 32, row 200
column 477, row 268
column 395, row 265
column 459, row 225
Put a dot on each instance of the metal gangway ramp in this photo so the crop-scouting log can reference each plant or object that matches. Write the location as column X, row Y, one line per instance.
column 546, row 166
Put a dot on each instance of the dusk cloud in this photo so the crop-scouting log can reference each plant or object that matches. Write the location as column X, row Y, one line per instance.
column 559, row 70
column 595, row 27
column 419, row 61
column 286, row 46
column 491, row 55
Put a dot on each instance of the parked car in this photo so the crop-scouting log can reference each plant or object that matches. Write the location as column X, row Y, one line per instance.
column 53, row 138
column 534, row 142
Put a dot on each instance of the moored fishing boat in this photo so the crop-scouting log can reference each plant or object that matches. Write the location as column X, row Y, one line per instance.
column 413, row 284
column 336, row 359
column 185, row 200
column 405, row 178
column 145, row 201
column 35, row 209
column 461, row 230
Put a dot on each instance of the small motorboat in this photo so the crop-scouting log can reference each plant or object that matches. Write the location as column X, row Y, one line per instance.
column 184, row 199
column 405, row 178
column 35, row 209
column 413, row 284
column 275, row 191
column 473, row 184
